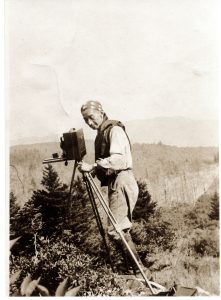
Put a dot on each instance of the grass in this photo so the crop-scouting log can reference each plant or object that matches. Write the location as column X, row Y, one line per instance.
column 188, row 271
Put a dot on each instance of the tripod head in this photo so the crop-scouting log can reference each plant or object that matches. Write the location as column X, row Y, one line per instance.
column 73, row 147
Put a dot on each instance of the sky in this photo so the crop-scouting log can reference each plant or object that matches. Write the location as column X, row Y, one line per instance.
column 141, row 59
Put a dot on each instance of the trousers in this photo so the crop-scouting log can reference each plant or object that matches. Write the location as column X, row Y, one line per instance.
column 122, row 195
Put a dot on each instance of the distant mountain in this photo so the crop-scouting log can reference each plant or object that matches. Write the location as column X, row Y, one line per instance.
column 34, row 140
column 178, row 131
column 175, row 131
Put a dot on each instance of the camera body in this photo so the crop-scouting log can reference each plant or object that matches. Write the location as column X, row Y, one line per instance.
column 72, row 145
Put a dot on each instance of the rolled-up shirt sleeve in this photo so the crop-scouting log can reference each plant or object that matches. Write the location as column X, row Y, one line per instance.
column 120, row 153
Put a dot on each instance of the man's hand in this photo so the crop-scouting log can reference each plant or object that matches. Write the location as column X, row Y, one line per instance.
column 84, row 167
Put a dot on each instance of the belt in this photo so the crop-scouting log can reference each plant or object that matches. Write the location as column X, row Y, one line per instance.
column 114, row 175
column 119, row 171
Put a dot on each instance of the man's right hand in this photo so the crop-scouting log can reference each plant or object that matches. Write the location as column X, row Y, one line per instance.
column 84, row 167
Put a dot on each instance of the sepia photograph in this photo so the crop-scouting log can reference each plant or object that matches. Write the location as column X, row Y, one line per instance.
column 112, row 137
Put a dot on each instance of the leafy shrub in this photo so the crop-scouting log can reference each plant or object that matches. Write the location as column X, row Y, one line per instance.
column 152, row 236
column 58, row 260
column 204, row 242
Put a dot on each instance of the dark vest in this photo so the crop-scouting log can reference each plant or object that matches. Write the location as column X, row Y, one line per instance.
column 102, row 145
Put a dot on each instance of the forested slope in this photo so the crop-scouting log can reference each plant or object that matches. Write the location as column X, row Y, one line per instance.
column 173, row 174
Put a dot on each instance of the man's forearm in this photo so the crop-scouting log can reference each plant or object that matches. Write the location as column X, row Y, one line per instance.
column 114, row 162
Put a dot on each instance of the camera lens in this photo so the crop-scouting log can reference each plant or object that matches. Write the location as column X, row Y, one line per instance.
column 55, row 155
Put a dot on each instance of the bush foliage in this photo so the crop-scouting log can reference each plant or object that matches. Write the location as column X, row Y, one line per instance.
column 60, row 243
column 59, row 260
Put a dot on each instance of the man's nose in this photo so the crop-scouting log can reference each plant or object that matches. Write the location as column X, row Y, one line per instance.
column 89, row 122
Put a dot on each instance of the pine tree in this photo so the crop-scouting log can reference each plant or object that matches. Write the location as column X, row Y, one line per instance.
column 81, row 211
column 52, row 203
column 45, row 213
column 50, row 180
column 14, row 209
column 24, row 228
column 145, row 207
column 214, row 214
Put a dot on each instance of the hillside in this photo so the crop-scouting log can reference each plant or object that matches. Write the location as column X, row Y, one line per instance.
column 173, row 174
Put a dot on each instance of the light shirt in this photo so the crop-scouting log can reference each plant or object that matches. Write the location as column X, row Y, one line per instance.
column 120, row 153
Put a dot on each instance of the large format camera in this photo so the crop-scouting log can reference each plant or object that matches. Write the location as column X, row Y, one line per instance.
column 72, row 145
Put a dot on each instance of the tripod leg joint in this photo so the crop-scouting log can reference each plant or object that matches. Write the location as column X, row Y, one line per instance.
column 118, row 228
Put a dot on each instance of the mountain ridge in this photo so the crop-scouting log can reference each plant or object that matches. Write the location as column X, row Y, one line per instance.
column 174, row 131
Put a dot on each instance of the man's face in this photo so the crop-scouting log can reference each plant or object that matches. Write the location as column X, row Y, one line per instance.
column 94, row 119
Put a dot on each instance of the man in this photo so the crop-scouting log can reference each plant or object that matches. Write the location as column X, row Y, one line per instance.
column 113, row 167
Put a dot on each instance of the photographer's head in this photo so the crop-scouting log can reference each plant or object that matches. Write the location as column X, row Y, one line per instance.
column 93, row 114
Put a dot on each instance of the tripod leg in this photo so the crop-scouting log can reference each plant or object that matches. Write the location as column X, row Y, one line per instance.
column 68, row 216
column 120, row 250
column 73, row 175
column 116, row 227
column 134, row 250
column 98, row 220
